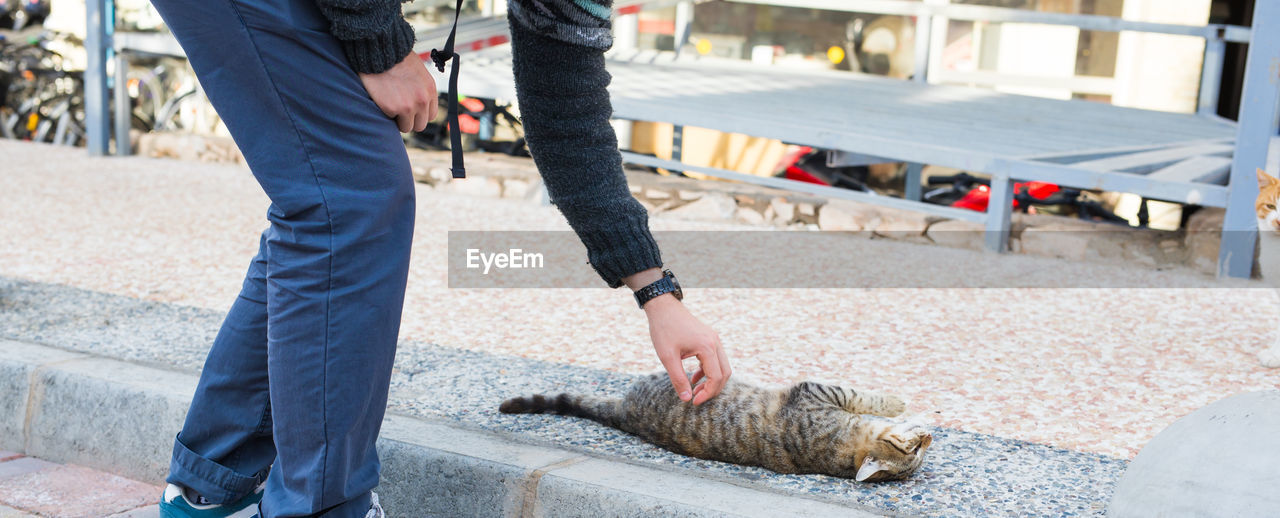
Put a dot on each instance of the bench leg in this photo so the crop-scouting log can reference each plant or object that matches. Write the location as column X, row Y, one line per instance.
column 124, row 106
column 1259, row 103
column 97, row 113
column 999, row 214
column 913, row 181
column 677, row 143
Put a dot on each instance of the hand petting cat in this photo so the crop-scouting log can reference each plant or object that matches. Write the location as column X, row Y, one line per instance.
column 678, row 335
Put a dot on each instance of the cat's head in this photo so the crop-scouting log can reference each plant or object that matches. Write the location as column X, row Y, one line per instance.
column 1268, row 197
column 894, row 453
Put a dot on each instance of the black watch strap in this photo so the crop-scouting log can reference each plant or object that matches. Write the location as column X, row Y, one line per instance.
column 667, row 284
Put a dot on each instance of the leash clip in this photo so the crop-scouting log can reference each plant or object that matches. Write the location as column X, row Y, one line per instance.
column 440, row 58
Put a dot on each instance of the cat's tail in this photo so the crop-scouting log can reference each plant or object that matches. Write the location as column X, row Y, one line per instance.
column 606, row 411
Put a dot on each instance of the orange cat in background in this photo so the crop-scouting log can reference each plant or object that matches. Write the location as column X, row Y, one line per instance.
column 1269, row 248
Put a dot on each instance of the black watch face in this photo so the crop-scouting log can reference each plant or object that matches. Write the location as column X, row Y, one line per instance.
column 675, row 284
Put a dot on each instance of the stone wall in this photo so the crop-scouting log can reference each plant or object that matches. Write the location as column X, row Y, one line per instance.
column 494, row 175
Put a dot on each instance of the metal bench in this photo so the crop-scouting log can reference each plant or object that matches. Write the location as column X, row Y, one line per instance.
column 1163, row 156
column 1182, row 158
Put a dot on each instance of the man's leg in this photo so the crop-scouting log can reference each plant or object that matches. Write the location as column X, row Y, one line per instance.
column 225, row 446
column 341, row 218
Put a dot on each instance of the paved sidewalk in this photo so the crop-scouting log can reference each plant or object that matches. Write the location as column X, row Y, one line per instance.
column 1038, row 396
column 1098, row 370
column 87, row 405
column 31, row 487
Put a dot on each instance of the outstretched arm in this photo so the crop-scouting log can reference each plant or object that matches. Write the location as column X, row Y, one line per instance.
column 565, row 110
column 561, row 84
column 677, row 335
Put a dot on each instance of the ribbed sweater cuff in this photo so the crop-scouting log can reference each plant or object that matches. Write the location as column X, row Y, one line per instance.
column 380, row 53
column 626, row 248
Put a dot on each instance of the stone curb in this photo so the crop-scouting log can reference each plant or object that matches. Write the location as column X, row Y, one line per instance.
column 121, row 417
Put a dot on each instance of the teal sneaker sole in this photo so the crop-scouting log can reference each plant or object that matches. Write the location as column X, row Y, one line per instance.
column 174, row 505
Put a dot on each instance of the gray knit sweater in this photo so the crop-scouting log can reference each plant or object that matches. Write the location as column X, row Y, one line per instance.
column 373, row 33
column 558, row 52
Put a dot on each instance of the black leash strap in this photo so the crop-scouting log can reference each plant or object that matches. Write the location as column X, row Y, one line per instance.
column 440, row 57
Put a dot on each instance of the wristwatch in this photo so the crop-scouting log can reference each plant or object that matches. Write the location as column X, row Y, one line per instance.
column 667, row 284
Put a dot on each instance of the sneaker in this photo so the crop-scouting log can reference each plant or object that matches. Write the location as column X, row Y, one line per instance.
column 174, row 504
column 375, row 510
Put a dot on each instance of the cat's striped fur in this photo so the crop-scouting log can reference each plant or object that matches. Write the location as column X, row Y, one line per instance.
column 805, row 428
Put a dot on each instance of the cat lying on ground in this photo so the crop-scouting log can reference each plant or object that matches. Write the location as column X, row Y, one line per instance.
column 806, row 428
column 1269, row 250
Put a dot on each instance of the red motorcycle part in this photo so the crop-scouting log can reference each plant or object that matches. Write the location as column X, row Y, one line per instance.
column 979, row 198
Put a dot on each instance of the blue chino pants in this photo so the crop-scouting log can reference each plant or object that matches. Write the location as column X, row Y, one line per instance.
column 295, row 386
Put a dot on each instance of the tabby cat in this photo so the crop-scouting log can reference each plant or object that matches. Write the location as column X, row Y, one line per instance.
column 1269, row 250
column 806, row 428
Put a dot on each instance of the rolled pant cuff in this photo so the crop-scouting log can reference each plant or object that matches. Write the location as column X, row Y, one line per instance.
column 357, row 507
column 217, row 483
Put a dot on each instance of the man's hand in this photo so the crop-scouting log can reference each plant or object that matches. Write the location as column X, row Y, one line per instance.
column 677, row 335
column 405, row 92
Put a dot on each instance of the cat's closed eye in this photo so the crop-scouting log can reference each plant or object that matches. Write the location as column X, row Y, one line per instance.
column 905, row 449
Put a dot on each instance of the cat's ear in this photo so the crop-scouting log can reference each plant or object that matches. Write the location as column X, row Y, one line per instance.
column 1265, row 180
column 870, row 466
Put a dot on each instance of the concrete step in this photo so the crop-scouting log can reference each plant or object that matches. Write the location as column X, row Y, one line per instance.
column 120, row 416
column 110, row 385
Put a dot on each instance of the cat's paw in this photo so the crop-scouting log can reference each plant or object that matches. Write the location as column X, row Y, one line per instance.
column 1270, row 358
column 891, row 406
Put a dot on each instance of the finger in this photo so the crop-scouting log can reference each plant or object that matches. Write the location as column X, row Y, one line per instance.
column 725, row 368
column 702, row 393
column 675, row 370
column 715, row 378
column 420, row 120
column 700, row 389
column 405, row 122
column 697, row 375
column 435, row 107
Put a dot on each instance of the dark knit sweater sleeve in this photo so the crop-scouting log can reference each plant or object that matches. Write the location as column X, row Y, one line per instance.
column 565, row 110
column 374, row 33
